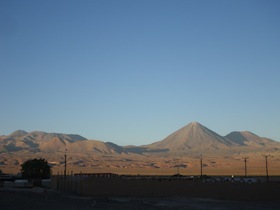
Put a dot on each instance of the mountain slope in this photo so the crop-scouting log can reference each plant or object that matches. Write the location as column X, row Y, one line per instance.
column 36, row 141
column 248, row 139
column 94, row 147
column 192, row 137
column 45, row 137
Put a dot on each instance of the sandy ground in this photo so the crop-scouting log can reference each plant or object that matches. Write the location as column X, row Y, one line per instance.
column 39, row 198
column 132, row 164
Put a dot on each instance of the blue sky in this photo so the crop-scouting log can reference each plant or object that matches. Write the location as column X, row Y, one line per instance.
column 132, row 72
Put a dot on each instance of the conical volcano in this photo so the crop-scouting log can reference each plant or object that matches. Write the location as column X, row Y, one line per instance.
column 192, row 137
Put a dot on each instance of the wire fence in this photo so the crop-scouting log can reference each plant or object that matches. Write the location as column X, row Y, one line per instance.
column 149, row 186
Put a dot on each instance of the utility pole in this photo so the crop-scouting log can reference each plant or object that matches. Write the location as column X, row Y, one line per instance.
column 65, row 164
column 177, row 164
column 200, row 166
column 266, row 165
column 178, row 167
column 245, row 161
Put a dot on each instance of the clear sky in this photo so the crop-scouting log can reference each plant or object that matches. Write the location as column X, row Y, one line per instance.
column 133, row 72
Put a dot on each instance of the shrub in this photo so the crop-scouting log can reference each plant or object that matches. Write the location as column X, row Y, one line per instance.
column 36, row 169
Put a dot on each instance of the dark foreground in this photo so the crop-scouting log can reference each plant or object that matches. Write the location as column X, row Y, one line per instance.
column 42, row 199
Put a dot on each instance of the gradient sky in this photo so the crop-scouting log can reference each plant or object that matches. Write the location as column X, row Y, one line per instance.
column 133, row 72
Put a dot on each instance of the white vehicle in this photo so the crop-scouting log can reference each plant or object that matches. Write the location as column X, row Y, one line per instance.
column 21, row 183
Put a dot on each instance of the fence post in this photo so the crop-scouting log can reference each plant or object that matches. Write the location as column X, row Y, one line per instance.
column 76, row 184
column 57, row 181
column 81, row 184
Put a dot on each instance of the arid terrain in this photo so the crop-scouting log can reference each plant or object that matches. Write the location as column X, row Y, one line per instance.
column 191, row 150
column 183, row 151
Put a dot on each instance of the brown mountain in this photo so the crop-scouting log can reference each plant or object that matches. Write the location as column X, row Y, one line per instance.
column 190, row 138
column 36, row 141
column 248, row 139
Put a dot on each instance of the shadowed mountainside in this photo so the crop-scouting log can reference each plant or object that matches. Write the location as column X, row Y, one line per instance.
column 246, row 138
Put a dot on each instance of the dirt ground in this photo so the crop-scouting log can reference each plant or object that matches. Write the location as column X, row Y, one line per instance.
column 43, row 199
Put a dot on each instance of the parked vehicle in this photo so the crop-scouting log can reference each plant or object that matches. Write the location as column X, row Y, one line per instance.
column 249, row 180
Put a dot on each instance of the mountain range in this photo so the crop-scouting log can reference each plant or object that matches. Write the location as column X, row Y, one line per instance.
column 190, row 141
column 193, row 137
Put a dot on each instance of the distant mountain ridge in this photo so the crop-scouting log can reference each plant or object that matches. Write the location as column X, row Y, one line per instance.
column 195, row 138
column 192, row 138
column 186, row 144
column 38, row 141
